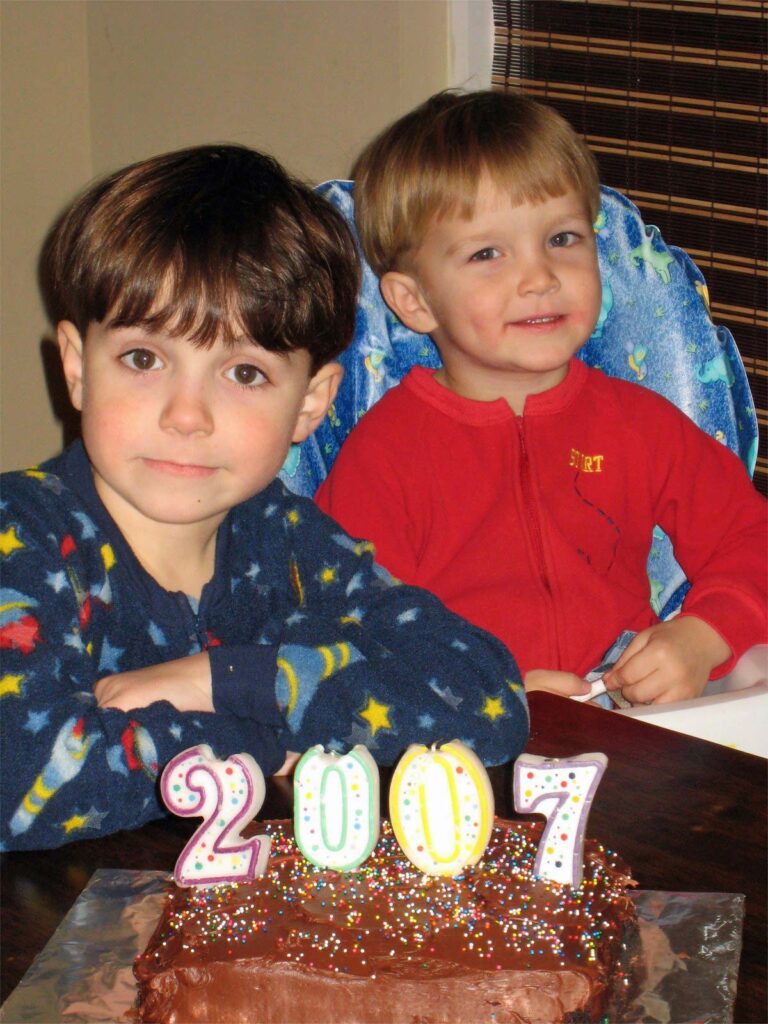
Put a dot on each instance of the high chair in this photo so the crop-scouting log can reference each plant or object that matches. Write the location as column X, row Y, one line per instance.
column 654, row 328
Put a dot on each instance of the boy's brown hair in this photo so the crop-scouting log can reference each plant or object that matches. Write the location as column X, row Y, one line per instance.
column 430, row 161
column 211, row 241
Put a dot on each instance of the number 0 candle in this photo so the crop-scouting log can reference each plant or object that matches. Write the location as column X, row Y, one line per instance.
column 441, row 807
column 227, row 795
column 562, row 790
column 336, row 807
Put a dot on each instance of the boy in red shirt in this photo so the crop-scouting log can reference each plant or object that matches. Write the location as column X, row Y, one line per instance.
column 519, row 485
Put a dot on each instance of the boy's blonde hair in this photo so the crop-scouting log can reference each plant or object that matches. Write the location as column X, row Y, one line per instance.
column 430, row 161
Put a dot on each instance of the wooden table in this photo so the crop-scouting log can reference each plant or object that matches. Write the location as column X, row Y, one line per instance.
column 686, row 814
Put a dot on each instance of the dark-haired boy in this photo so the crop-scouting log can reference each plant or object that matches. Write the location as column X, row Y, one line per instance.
column 162, row 589
column 516, row 483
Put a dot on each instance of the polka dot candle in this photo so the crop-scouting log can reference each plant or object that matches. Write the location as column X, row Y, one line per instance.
column 441, row 807
column 562, row 790
column 336, row 807
column 227, row 795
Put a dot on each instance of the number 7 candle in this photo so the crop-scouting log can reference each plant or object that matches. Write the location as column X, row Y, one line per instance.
column 562, row 790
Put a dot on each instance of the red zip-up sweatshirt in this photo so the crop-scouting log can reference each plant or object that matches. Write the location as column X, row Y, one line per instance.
column 538, row 527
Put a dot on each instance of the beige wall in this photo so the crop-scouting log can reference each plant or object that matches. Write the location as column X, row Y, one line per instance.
column 45, row 152
column 90, row 85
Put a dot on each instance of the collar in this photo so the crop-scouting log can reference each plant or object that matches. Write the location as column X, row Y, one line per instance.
column 421, row 381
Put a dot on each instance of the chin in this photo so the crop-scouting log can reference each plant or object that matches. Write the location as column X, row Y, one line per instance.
column 182, row 513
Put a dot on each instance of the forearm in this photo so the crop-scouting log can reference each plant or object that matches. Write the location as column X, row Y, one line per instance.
column 737, row 615
column 412, row 673
column 239, row 680
column 719, row 526
column 74, row 770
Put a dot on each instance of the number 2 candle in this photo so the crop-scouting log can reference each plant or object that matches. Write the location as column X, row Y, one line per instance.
column 227, row 795
column 562, row 790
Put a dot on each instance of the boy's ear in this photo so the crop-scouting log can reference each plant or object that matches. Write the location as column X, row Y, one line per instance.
column 71, row 350
column 402, row 294
column 321, row 391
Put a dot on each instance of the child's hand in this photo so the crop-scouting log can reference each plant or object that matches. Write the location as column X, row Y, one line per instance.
column 565, row 684
column 185, row 683
column 668, row 662
column 291, row 760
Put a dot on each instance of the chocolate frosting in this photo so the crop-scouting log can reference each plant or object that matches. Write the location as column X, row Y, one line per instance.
column 386, row 943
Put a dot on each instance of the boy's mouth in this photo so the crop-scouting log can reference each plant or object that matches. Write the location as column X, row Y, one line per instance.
column 539, row 321
column 179, row 468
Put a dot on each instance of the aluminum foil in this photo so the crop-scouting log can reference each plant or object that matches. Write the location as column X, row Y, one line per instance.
column 687, row 970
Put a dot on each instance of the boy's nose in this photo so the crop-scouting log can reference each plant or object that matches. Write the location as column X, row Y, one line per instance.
column 187, row 411
column 536, row 276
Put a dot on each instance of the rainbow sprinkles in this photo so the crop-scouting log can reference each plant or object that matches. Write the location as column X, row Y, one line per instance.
column 442, row 913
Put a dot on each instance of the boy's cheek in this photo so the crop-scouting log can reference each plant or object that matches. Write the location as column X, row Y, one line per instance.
column 587, row 319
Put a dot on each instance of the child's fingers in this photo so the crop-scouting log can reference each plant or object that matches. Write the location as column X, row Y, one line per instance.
column 631, row 668
column 649, row 690
column 637, row 673
column 668, row 662
column 660, row 689
column 574, row 686
column 635, row 647
column 291, row 760
column 565, row 684
column 654, row 675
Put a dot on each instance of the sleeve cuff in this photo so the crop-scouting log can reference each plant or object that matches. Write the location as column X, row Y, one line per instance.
column 739, row 622
column 243, row 682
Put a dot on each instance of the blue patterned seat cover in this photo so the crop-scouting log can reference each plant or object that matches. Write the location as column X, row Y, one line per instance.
column 654, row 328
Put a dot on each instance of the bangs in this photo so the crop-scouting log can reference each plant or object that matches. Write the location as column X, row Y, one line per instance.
column 430, row 163
column 202, row 273
column 524, row 183
column 193, row 301
column 536, row 174
column 453, row 190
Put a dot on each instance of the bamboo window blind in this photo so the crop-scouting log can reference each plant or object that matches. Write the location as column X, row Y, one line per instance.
column 671, row 97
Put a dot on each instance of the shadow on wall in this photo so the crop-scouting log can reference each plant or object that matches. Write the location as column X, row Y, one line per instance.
column 56, row 386
column 58, row 396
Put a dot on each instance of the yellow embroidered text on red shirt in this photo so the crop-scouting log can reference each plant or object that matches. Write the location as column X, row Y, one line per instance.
column 586, row 463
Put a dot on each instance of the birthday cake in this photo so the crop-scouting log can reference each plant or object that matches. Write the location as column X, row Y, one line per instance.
column 388, row 943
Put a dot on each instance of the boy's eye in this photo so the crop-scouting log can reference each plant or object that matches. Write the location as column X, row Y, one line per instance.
column 246, row 375
column 489, row 253
column 141, row 359
column 563, row 238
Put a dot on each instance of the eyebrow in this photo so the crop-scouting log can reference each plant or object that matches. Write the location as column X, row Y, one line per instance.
column 242, row 339
column 480, row 239
column 575, row 214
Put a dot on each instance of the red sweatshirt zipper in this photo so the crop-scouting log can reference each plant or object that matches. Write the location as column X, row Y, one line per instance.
column 530, row 508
